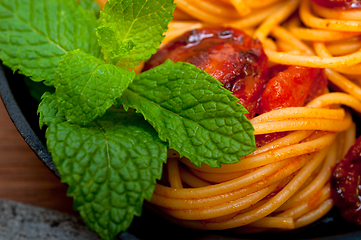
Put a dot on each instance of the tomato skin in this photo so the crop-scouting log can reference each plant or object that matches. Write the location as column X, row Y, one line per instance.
column 318, row 87
column 263, row 139
column 339, row 4
column 290, row 88
column 346, row 185
column 229, row 55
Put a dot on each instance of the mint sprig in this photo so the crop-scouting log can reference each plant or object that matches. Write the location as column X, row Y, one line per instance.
column 200, row 119
column 48, row 110
column 86, row 87
column 131, row 31
column 35, row 34
column 110, row 165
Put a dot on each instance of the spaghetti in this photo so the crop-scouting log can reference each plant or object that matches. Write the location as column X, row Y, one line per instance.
column 284, row 184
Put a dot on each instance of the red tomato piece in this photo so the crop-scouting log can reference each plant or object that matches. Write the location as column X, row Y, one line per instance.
column 346, row 185
column 318, row 87
column 339, row 4
column 290, row 88
column 229, row 55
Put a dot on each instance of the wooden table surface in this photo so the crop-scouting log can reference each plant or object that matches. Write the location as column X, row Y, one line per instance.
column 23, row 177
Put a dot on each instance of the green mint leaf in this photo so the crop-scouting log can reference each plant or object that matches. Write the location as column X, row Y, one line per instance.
column 37, row 89
column 48, row 110
column 110, row 165
column 113, row 50
column 86, row 87
column 91, row 5
column 200, row 119
column 35, row 34
column 131, row 31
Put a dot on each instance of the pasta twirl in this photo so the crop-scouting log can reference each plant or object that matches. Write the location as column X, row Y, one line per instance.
column 285, row 183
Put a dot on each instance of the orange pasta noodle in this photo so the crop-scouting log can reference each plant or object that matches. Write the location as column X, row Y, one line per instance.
column 330, row 13
column 319, row 181
column 290, row 139
column 323, row 52
column 191, row 180
column 269, row 206
column 314, row 215
column 207, row 12
column 253, row 19
column 274, row 222
column 331, row 24
column 300, row 112
column 277, row 154
column 320, row 35
column 303, row 124
column 314, row 61
column 344, row 47
column 310, row 34
column 261, row 4
column 273, row 20
column 173, row 173
column 240, row 193
column 283, row 34
column 336, row 98
column 298, row 210
column 241, row 7
column 288, row 167
column 221, row 209
column 181, row 16
column 343, row 83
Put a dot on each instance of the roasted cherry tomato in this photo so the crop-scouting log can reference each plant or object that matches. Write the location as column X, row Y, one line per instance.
column 318, row 87
column 240, row 64
column 346, row 184
column 339, row 4
column 229, row 55
column 291, row 88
